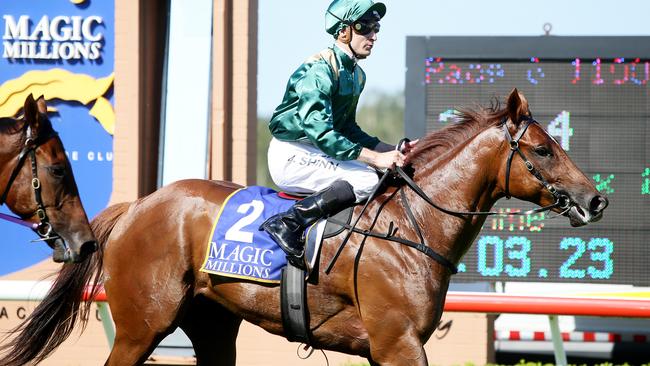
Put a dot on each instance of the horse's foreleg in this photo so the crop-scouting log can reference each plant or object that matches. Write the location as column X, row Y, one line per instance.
column 144, row 310
column 139, row 329
column 394, row 342
column 213, row 332
column 129, row 350
column 402, row 353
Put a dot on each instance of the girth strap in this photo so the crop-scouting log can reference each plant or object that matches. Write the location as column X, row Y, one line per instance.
column 293, row 303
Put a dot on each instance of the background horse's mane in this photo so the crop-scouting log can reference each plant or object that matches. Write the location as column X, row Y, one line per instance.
column 468, row 123
column 10, row 125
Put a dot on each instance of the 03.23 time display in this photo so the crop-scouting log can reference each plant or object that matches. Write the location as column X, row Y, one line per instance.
column 497, row 257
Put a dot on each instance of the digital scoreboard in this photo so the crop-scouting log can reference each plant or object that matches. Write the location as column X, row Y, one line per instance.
column 591, row 94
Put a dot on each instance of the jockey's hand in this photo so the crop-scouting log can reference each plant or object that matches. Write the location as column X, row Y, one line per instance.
column 408, row 146
column 382, row 160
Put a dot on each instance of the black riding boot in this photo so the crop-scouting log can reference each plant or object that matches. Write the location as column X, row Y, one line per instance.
column 286, row 228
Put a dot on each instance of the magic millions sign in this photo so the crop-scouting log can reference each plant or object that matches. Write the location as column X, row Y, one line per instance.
column 60, row 37
column 63, row 50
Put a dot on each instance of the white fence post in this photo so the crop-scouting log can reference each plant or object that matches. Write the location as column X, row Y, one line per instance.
column 558, row 344
column 107, row 322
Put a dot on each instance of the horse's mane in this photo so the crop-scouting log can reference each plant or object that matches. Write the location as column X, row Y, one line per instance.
column 468, row 123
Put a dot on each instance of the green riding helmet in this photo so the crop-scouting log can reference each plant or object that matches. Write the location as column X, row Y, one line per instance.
column 342, row 13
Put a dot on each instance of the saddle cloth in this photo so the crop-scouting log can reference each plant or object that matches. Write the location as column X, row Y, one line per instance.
column 238, row 249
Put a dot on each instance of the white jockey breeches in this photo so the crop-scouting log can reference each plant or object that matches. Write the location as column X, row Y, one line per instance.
column 302, row 168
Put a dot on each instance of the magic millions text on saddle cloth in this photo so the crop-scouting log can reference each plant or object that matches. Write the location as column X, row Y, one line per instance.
column 237, row 248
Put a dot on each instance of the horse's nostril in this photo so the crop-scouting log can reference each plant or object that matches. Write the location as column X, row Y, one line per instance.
column 598, row 204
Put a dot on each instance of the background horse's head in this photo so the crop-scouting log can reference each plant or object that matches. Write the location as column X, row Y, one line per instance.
column 538, row 170
column 37, row 182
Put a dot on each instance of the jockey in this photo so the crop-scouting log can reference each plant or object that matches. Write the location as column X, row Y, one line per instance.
column 317, row 145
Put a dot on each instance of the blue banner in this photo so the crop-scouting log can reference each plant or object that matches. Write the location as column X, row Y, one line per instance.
column 63, row 50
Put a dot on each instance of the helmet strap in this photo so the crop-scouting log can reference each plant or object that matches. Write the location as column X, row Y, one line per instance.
column 350, row 46
column 347, row 38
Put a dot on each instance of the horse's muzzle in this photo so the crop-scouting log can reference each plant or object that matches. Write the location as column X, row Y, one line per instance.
column 580, row 216
column 85, row 251
column 64, row 254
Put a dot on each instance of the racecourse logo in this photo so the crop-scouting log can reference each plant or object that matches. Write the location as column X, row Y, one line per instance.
column 62, row 85
column 57, row 38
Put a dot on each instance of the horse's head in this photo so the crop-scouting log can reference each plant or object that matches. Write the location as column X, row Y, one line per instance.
column 40, row 186
column 538, row 170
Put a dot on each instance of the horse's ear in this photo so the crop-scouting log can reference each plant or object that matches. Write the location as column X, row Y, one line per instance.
column 40, row 103
column 517, row 106
column 30, row 109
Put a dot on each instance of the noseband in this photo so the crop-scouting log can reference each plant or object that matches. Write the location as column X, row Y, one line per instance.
column 44, row 228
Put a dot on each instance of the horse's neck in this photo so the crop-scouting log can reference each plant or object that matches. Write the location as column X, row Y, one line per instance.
column 462, row 180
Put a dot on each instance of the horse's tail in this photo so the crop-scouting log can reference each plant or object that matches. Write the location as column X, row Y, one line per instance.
column 55, row 317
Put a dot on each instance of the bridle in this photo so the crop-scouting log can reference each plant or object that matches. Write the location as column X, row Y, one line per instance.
column 44, row 228
column 562, row 201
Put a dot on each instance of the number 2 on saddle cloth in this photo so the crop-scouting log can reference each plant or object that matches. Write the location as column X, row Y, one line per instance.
column 237, row 248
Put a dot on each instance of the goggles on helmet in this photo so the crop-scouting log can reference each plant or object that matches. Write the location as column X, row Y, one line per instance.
column 365, row 27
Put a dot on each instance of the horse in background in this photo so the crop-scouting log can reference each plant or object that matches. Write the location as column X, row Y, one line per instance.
column 382, row 301
column 38, row 184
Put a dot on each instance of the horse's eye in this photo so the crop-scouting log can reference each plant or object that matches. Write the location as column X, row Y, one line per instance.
column 543, row 151
column 58, row 171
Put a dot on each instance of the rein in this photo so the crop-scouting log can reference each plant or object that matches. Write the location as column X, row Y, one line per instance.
column 390, row 236
column 561, row 201
column 44, row 228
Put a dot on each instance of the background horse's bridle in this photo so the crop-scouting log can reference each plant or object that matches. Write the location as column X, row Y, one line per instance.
column 44, row 228
column 561, row 201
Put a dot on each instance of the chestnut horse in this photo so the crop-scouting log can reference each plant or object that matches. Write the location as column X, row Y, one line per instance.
column 37, row 184
column 381, row 301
